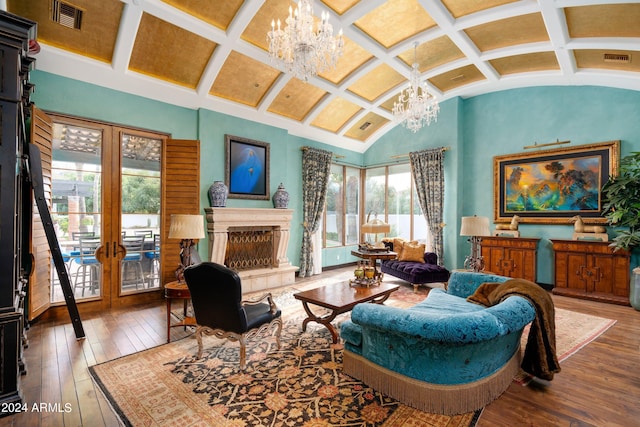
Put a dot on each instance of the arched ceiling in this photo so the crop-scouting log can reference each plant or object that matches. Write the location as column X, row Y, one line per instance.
column 213, row 54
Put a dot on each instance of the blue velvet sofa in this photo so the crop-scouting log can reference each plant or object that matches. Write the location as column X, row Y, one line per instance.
column 443, row 355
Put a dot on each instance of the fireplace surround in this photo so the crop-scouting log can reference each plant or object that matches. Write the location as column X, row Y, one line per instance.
column 253, row 242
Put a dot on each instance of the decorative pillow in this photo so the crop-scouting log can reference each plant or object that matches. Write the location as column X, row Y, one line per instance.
column 398, row 242
column 412, row 251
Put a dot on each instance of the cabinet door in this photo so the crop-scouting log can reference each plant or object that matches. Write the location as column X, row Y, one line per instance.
column 576, row 267
column 495, row 261
column 600, row 277
column 516, row 263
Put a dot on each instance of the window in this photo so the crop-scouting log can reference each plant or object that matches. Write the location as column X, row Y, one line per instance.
column 342, row 212
column 390, row 193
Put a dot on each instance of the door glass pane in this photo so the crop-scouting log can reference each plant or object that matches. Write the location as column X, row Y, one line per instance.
column 76, row 210
column 140, row 269
column 335, row 208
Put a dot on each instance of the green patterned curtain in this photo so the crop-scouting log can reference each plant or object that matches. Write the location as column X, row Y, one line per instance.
column 427, row 167
column 316, row 167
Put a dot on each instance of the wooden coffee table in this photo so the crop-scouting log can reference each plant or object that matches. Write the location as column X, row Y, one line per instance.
column 340, row 298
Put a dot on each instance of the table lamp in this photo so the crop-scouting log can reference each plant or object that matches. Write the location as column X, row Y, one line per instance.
column 375, row 226
column 474, row 227
column 187, row 228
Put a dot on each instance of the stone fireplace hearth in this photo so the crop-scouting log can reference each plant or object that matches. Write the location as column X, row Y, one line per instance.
column 253, row 242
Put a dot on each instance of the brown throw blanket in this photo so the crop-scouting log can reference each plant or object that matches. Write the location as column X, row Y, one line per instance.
column 540, row 353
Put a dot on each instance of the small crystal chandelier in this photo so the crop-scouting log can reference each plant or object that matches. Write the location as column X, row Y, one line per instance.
column 416, row 107
column 299, row 49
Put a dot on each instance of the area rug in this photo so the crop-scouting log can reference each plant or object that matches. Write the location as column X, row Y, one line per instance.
column 573, row 332
column 302, row 384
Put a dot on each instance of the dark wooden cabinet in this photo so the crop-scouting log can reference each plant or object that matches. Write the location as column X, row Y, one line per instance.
column 510, row 256
column 591, row 270
column 14, row 194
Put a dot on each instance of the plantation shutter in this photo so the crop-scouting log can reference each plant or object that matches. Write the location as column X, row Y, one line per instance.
column 180, row 195
column 39, row 298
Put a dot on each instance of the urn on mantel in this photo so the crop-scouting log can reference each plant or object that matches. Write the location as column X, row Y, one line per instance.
column 218, row 193
column 280, row 198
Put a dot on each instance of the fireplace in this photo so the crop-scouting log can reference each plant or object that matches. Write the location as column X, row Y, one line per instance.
column 253, row 242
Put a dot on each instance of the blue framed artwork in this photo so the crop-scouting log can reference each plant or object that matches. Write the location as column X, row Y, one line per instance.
column 552, row 186
column 247, row 168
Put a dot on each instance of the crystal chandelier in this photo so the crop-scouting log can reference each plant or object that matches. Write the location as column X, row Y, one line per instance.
column 299, row 49
column 415, row 107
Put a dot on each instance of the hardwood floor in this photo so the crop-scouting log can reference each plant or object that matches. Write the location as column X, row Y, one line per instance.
column 598, row 386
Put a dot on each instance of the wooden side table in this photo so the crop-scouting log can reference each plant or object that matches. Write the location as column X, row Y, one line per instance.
column 176, row 290
column 374, row 256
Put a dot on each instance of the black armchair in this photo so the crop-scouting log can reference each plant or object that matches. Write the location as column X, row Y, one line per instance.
column 216, row 295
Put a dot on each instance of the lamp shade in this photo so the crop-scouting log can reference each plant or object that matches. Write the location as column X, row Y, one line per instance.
column 186, row 227
column 474, row 226
column 376, row 226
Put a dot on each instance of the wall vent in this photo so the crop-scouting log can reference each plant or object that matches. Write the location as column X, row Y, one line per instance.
column 66, row 15
column 621, row 58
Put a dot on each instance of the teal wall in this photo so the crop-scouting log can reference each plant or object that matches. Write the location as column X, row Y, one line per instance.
column 474, row 130
column 502, row 123
column 66, row 96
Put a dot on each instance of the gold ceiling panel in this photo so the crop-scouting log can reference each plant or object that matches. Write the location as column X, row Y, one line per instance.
column 366, row 127
column 97, row 35
column 521, row 29
column 433, row 53
column 260, row 25
column 296, row 99
column 538, row 61
column 395, row 21
column 336, row 114
column 340, row 6
column 606, row 20
column 456, row 78
column 217, row 13
column 353, row 57
column 257, row 79
column 594, row 58
column 169, row 52
column 460, row 8
column 376, row 82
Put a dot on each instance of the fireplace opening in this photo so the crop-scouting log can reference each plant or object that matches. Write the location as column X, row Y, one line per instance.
column 249, row 248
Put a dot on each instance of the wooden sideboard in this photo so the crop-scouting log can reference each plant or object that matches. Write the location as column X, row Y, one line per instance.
column 510, row 256
column 591, row 270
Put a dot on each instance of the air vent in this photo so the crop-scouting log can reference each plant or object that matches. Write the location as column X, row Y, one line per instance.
column 620, row 58
column 457, row 78
column 365, row 125
column 66, row 15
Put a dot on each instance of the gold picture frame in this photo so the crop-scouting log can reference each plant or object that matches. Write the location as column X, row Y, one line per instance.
column 552, row 186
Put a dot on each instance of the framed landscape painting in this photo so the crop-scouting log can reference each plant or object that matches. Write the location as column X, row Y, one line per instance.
column 247, row 168
column 552, row 186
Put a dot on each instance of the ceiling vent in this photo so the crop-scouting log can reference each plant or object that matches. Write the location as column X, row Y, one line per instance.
column 620, row 58
column 365, row 125
column 66, row 15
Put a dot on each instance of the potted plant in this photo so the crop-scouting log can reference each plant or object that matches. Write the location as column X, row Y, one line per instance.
column 621, row 207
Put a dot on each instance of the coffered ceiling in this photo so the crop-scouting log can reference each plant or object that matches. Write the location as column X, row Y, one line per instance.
column 213, row 54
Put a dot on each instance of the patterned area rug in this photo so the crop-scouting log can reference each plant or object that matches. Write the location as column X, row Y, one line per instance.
column 300, row 385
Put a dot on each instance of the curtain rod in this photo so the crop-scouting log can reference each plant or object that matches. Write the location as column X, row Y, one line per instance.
column 337, row 156
column 399, row 156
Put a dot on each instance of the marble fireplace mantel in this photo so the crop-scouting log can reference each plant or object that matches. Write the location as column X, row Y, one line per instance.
column 222, row 220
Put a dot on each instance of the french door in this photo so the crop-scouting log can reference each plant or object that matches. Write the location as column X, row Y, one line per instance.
column 106, row 186
column 111, row 191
